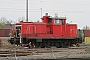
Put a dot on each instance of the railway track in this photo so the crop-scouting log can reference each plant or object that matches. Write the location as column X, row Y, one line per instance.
column 37, row 51
column 45, row 53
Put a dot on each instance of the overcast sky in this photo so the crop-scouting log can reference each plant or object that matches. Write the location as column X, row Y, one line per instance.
column 77, row 11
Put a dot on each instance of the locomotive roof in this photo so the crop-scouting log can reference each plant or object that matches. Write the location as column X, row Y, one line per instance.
column 59, row 18
column 56, row 17
column 30, row 23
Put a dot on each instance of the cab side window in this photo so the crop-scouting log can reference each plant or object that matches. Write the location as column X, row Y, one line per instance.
column 56, row 21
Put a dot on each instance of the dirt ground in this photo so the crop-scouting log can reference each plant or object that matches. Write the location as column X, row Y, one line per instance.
column 5, row 44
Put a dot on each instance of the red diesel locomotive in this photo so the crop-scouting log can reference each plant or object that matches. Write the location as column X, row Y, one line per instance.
column 52, row 31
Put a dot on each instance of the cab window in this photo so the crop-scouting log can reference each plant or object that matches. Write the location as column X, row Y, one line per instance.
column 56, row 21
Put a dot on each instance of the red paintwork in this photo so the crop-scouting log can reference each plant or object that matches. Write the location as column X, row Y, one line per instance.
column 45, row 29
column 71, row 30
column 44, row 19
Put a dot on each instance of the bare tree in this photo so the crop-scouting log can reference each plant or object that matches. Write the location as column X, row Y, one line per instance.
column 5, row 21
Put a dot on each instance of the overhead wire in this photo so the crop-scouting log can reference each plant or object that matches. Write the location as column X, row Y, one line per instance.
column 38, row 10
column 45, row 2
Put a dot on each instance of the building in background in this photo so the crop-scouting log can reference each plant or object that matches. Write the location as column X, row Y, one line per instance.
column 5, row 31
column 87, row 36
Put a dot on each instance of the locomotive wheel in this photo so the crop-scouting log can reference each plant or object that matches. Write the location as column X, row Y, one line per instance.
column 49, row 44
column 37, row 45
column 57, row 44
column 63, row 45
column 42, row 45
column 52, row 43
column 66, row 44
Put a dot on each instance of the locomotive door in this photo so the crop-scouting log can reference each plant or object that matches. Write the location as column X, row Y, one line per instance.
column 30, row 30
column 63, row 29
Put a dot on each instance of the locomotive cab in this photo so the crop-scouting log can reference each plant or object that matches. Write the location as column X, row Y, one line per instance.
column 54, row 20
column 61, row 20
